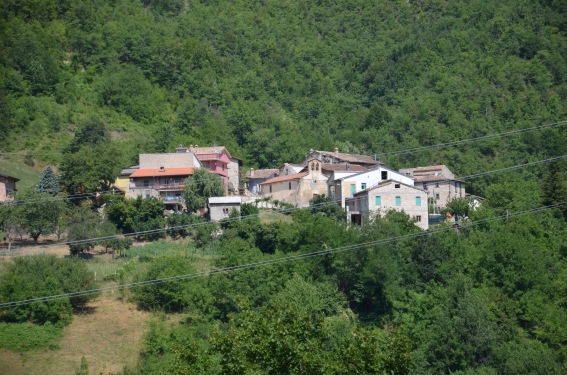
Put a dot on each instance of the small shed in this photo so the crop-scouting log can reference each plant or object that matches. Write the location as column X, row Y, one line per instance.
column 220, row 207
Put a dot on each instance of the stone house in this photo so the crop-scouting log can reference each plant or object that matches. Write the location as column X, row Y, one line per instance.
column 336, row 157
column 162, row 176
column 220, row 207
column 389, row 195
column 233, row 177
column 299, row 188
column 7, row 187
column 347, row 186
column 439, row 181
column 258, row 176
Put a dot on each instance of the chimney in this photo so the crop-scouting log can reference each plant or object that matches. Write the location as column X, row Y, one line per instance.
column 162, row 169
column 336, row 151
column 251, row 172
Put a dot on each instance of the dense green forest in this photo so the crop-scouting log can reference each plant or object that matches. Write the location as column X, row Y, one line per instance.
column 87, row 85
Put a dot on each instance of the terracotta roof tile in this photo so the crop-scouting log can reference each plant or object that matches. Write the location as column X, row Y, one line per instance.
column 352, row 158
column 167, row 172
column 296, row 176
column 343, row 167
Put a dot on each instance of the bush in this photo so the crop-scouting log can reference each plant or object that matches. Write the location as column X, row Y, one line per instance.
column 40, row 276
column 21, row 337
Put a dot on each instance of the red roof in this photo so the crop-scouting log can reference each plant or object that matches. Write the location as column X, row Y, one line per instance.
column 296, row 176
column 167, row 172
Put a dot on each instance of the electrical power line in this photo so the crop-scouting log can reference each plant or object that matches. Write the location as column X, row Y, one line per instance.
column 272, row 261
column 284, row 210
column 470, row 140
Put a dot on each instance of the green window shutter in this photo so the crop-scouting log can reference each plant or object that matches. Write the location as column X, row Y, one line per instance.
column 418, row 201
column 378, row 200
column 363, row 185
column 398, row 201
column 352, row 189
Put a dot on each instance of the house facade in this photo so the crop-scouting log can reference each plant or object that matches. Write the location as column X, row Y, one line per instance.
column 346, row 187
column 7, row 187
column 439, row 181
column 233, row 177
column 220, row 207
column 216, row 159
column 162, row 176
column 299, row 188
column 389, row 195
column 256, row 177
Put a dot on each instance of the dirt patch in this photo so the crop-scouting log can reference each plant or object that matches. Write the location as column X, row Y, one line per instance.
column 108, row 336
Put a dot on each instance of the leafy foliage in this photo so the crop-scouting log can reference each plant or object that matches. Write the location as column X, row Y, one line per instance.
column 38, row 276
column 200, row 187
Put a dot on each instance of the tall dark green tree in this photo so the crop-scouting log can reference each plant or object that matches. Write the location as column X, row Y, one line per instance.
column 48, row 182
column 554, row 187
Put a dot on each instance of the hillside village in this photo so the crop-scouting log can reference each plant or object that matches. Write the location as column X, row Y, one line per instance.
column 364, row 187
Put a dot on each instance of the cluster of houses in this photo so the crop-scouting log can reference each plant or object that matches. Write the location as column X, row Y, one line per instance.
column 363, row 186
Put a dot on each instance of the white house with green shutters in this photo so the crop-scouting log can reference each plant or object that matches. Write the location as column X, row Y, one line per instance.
column 389, row 195
column 347, row 186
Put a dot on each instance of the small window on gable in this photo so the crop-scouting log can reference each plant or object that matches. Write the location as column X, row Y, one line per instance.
column 397, row 186
column 317, row 166
column 384, row 175
column 363, row 185
column 398, row 200
column 378, row 200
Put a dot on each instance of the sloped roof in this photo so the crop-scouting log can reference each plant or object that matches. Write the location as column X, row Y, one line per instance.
column 167, row 172
column 129, row 171
column 10, row 177
column 290, row 177
column 262, row 173
column 209, row 150
column 351, row 158
column 429, row 168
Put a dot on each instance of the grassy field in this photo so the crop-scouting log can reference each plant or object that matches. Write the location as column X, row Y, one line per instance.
column 107, row 334
column 14, row 166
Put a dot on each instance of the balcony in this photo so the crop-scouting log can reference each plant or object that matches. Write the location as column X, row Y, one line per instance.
column 170, row 199
column 156, row 186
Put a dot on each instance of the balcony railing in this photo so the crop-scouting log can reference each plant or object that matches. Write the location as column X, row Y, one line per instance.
column 171, row 199
column 174, row 186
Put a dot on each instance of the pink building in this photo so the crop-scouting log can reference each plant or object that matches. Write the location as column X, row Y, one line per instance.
column 7, row 187
column 216, row 159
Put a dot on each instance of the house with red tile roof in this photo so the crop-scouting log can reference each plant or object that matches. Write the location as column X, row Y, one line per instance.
column 7, row 187
column 161, row 176
column 297, row 188
column 336, row 157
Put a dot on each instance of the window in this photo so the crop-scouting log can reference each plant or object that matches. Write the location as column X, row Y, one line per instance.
column 384, row 175
column 437, row 196
column 146, row 183
column 397, row 186
column 270, row 188
column 290, row 185
column 437, row 184
column 418, row 218
column 317, row 166
column 378, row 200
column 363, row 185
column 424, row 186
column 398, row 200
column 418, row 201
column 352, row 189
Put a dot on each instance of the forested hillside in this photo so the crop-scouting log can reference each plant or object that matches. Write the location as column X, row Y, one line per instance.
column 273, row 79
column 88, row 85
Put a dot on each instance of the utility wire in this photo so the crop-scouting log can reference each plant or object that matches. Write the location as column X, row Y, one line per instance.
column 470, row 140
column 273, row 261
column 284, row 210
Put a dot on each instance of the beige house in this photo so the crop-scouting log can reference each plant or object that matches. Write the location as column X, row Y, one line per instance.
column 298, row 188
column 7, row 187
column 389, row 195
column 439, row 181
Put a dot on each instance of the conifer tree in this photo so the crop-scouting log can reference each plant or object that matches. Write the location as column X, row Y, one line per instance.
column 48, row 182
column 554, row 187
